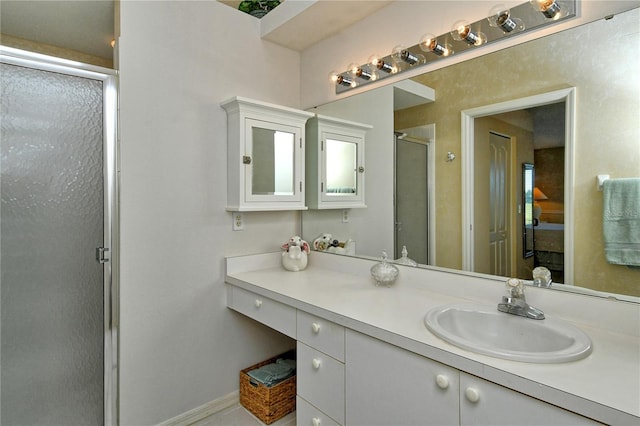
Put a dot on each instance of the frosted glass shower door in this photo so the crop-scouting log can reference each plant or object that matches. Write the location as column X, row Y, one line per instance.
column 52, row 221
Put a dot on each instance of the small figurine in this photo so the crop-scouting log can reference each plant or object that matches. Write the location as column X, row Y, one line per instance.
column 323, row 242
column 294, row 256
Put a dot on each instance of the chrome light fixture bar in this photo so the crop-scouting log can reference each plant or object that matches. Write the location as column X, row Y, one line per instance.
column 500, row 23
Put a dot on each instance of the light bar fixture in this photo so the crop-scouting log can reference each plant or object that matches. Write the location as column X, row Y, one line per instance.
column 501, row 22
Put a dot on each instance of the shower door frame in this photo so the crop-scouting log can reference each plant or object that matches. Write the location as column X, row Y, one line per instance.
column 109, row 79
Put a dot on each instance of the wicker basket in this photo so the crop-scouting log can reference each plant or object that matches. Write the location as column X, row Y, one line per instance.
column 268, row 403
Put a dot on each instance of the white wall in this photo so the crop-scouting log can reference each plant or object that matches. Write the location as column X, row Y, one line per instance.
column 179, row 346
column 374, row 108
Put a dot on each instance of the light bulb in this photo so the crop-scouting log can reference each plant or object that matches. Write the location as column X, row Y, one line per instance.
column 462, row 32
column 379, row 63
column 500, row 17
column 341, row 79
column 549, row 8
column 429, row 43
column 364, row 72
column 402, row 54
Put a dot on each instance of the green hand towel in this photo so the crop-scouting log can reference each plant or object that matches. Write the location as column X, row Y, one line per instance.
column 621, row 221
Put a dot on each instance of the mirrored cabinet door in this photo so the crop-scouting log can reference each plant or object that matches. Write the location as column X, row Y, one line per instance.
column 272, row 162
column 335, row 163
column 265, row 156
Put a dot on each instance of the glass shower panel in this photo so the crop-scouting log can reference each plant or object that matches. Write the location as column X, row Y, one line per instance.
column 52, row 221
column 412, row 200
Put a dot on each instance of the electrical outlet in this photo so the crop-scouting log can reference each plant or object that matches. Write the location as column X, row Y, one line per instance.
column 238, row 221
column 345, row 216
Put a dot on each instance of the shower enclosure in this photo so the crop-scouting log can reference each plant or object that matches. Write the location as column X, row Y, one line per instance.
column 57, row 241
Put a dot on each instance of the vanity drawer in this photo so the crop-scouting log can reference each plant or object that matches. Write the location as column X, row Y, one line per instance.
column 308, row 415
column 321, row 381
column 321, row 334
column 273, row 314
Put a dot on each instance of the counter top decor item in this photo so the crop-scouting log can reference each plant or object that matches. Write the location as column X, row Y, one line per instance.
column 383, row 272
column 294, row 255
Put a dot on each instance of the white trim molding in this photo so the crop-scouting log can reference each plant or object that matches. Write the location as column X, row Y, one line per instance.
column 468, row 116
column 204, row 411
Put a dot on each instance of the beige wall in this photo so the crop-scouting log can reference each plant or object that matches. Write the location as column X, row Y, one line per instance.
column 607, row 131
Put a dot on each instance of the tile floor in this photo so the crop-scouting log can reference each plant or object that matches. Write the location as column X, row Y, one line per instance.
column 238, row 416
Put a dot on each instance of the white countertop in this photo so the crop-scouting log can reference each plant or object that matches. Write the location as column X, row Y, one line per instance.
column 604, row 386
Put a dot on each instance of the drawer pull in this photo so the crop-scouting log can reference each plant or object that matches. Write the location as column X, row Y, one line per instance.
column 316, row 363
column 315, row 327
column 472, row 394
column 442, row 381
column 258, row 303
column 316, row 421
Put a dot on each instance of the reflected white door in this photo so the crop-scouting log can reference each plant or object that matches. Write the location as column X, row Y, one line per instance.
column 499, row 194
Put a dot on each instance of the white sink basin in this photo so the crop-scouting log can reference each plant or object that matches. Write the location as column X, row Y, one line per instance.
column 483, row 329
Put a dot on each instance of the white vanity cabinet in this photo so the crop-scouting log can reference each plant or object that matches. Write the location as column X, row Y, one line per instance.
column 265, row 156
column 271, row 313
column 335, row 163
column 387, row 385
column 320, row 371
column 483, row 403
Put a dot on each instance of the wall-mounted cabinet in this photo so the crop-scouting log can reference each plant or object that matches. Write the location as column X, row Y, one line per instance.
column 265, row 156
column 335, row 163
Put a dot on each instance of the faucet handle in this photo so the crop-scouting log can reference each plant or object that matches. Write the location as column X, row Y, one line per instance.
column 515, row 288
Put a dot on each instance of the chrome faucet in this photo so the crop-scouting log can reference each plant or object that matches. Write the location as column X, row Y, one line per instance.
column 515, row 302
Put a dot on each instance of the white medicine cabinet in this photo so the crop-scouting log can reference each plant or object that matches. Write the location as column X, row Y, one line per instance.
column 335, row 163
column 265, row 156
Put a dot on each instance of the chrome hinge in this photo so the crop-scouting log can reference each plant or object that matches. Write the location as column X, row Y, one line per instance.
column 101, row 254
column 321, row 145
column 300, row 186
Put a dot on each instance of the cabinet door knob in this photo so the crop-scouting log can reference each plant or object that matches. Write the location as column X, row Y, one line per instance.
column 315, row 327
column 258, row 303
column 361, row 169
column 442, row 381
column 316, row 421
column 246, row 159
column 316, row 363
column 472, row 394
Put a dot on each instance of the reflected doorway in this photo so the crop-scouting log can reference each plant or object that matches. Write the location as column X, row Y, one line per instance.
column 549, row 145
column 414, row 175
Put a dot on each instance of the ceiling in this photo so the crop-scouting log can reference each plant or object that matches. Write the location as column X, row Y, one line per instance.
column 87, row 26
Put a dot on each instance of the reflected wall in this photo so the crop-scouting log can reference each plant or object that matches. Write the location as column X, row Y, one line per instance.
column 607, row 130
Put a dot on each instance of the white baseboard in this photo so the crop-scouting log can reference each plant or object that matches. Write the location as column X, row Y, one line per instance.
column 203, row 411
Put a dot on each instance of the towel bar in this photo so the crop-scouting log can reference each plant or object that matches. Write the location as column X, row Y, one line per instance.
column 601, row 179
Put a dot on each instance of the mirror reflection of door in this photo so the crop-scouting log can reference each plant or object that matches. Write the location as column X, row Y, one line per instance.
column 537, row 137
column 272, row 162
column 527, row 210
column 342, row 164
column 411, row 198
column 499, row 196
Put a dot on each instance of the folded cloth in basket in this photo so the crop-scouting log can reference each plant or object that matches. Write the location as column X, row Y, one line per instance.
column 274, row 373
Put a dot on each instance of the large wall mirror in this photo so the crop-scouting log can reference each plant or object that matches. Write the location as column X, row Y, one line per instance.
column 605, row 132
